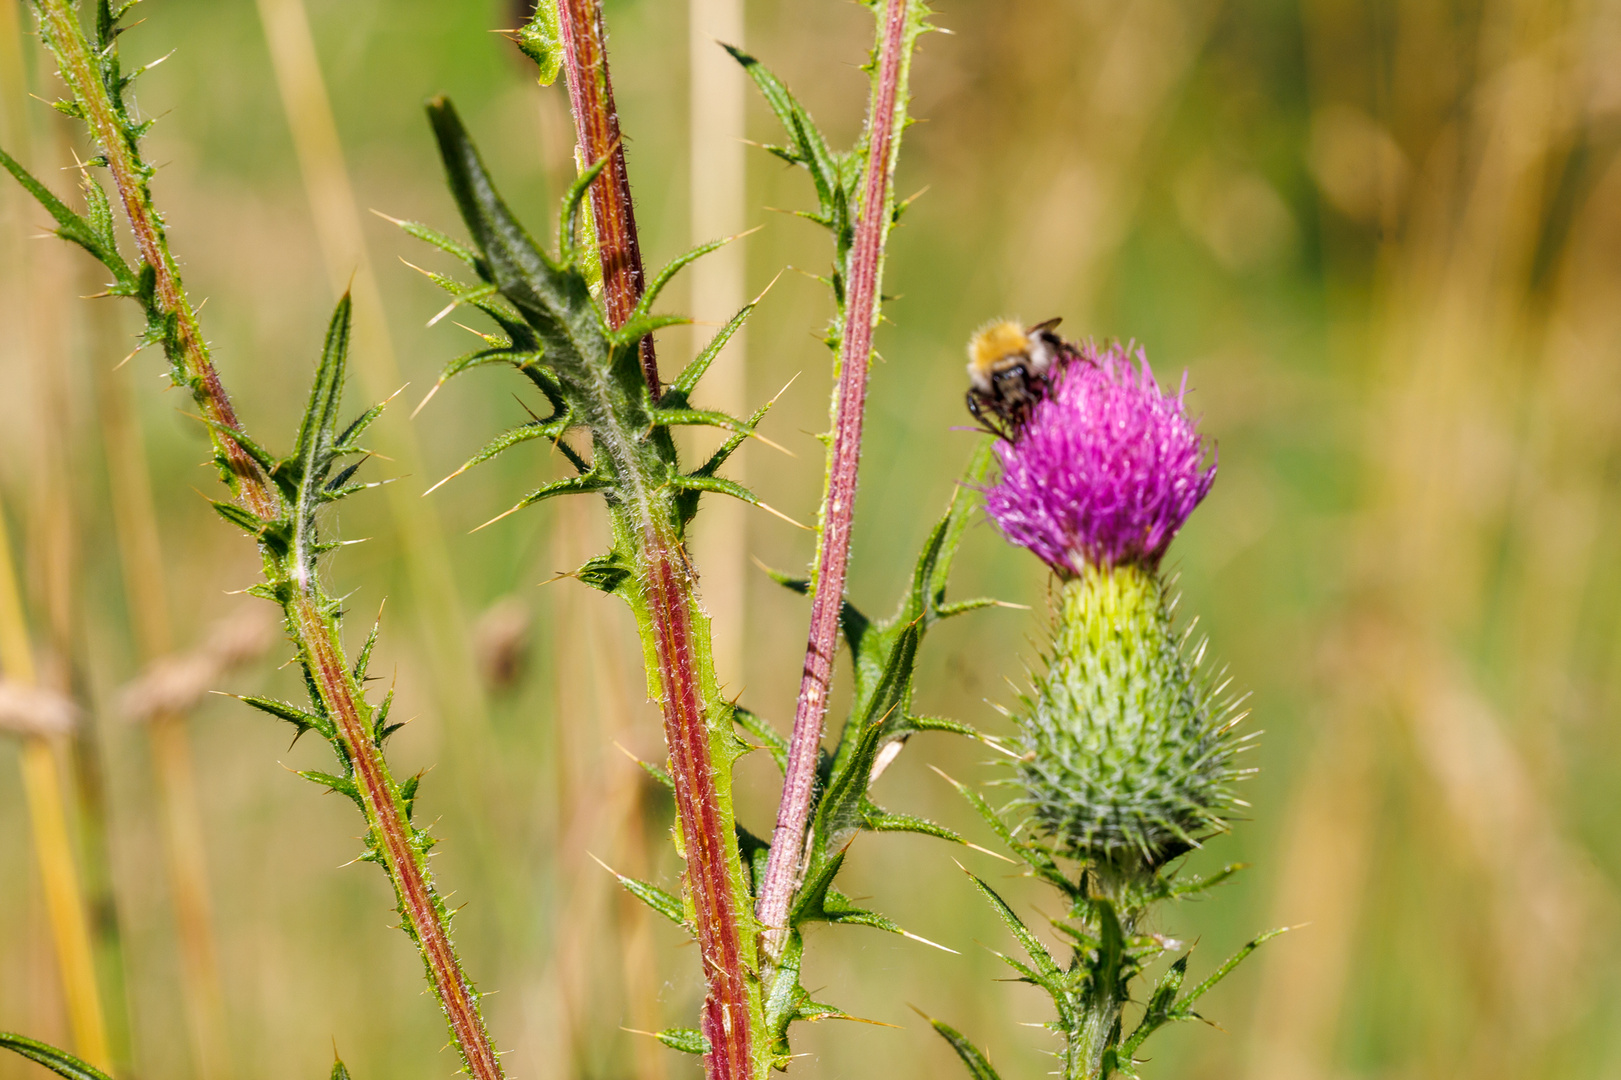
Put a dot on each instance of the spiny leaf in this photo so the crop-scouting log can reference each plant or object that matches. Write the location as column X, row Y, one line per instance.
column 542, row 291
column 58, row 1061
column 441, row 241
column 654, row 897
column 504, row 354
column 1046, row 966
column 639, row 326
column 340, row 784
column 252, row 523
column 607, row 573
column 550, row 428
column 541, row 40
column 1158, row 1011
column 700, row 418
column 979, row 1066
column 71, row 226
column 1038, row 859
column 687, row 381
column 769, row 737
column 299, row 718
column 839, row 813
column 1226, row 969
column 881, row 820
column 664, row 276
column 806, row 146
column 573, row 485
column 568, row 247
column 686, row 1040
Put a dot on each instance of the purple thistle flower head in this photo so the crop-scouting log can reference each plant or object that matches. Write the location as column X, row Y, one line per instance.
column 1107, row 468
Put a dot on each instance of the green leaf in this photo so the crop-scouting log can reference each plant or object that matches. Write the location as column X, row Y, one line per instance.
column 544, row 293
column 714, row 484
column 71, row 226
column 568, row 247
column 654, row 897
column 440, row 241
column 504, row 354
column 687, row 381
column 553, row 428
column 639, row 326
column 880, row 820
column 806, row 146
column 339, row 1071
column 1046, row 966
column 607, row 573
column 1158, row 1011
column 979, row 1066
column 342, row 785
column 1038, row 859
column 58, row 1061
column 1226, row 969
column 686, row 1040
column 299, row 718
column 700, row 418
column 769, row 737
column 541, row 40
column 315, row 449
column 573, row 485
column 678, row 264
column 246, row 520
column 840, row 812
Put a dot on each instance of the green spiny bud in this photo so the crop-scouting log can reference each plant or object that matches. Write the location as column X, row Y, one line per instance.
column 1128, row 759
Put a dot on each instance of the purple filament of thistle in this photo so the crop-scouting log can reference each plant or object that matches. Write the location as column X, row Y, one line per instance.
column 1106, row 469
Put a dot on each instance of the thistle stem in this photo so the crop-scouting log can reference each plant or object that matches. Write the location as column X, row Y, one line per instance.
column 675, row 633
column 596, row 122
column 317, row 635
column 60, row 23
column 402, row 858
column 706, row 824
column 863, row 275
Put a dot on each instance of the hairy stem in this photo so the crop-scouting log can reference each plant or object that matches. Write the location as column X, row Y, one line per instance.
column 863, row 276
column 596, row 122
column 675, row 630
column 59, row 21
column 731, row 1012
column 403, row 859
column 317, row 635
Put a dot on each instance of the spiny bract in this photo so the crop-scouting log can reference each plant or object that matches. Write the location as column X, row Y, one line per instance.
column 1128, row 758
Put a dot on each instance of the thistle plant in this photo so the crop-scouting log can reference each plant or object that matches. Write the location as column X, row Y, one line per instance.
column 1125, row 758
column 1126, row 751
column 744, row 899
column 279, row 501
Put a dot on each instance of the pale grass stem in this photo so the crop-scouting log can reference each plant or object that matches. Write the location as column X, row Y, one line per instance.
column 317, row 635
column 59, row 876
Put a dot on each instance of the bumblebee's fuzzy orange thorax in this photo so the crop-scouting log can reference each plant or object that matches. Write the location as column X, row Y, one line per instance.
column 994, row 342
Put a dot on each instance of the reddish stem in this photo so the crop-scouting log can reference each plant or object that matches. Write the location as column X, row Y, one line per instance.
column 416, row 896
column 783, row 869
column 79, row 71
column 704, row 829
column 596, row 122
column 318, row 637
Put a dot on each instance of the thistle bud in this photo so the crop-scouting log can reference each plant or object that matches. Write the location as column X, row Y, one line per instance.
column 1127, row 760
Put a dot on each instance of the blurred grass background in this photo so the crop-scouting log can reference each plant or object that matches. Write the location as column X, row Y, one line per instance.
column 1382, row 236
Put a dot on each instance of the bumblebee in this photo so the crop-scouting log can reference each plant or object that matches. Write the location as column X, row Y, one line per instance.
column 1008, row 371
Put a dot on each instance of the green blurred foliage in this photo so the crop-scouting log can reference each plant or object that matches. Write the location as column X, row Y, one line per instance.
column 1382, row 236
